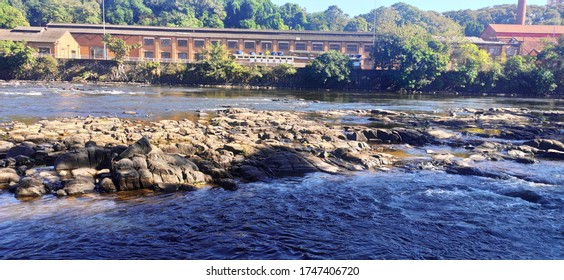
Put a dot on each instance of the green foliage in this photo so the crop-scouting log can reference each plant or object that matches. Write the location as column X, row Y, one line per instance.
column 10, row 17
column 217, row 66
column 475, row 21
column 331, row 69
column 253, row 14
column 387, row 19
column 16, row 59
column 119, row 47
column 417, row 56
column 332, row 19
column 44, row 68
column 469, row 60
column 294, row 16
column 357, row 24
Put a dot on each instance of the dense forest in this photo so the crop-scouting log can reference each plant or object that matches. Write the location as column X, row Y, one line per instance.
column 263, row 14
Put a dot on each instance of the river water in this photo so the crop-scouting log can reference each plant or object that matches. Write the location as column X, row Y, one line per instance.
column 397, row 214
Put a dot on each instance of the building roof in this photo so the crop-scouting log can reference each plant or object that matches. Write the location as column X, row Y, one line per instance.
column 216, row 33
column 529, row 29
column 32, row 34
column 480, row 41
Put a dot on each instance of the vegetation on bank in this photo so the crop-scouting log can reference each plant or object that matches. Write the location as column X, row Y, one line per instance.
column 407, row 58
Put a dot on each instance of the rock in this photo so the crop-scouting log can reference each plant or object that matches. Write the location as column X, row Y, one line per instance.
column 553, row 154
column 474, row 171
column 236, row 148
column 8, row 177
column 5, row 146
column 283, row 164
column 93, row 157
column 84, row 172
column 367, row 160
column 388, row 137
column 141, row 147
column 357, row 136
column 107, row 186
column 544, row 144
column 21, row 150
column 226, row 183
column 31, row 187
column 81, row 185
column 412, row 137
column 253, row 173
column 526, row 195
column 440, row 134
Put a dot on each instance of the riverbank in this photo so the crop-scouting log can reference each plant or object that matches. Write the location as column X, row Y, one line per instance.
column 75, row 156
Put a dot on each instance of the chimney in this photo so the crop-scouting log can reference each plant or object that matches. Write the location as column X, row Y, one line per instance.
column 521, row 12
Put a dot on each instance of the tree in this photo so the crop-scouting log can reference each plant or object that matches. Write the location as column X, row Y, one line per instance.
column 217, row 66
column 357, row 24
column 469, row 60
column 119, row 47
column 413, row 54
column 294, row 16
column 10, row 17
column 253, row 14
column 16, row 59
column 331, row 69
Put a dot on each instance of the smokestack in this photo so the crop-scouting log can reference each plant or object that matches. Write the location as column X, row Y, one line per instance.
column 521, row 12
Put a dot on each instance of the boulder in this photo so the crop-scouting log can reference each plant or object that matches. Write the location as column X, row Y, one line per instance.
column 388, row 137
column 107, row 186
column 283, row 164
column 357, row 136
column 544, row 144
column 8, row 176
column 93, row 157
column 5, row 146
column 31, row 187
column 80, row 185
column 21, row 150
column 141, row 147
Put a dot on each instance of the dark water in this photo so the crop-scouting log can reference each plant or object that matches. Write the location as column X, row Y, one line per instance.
column 421, row 215
column 33, row 101
column 384, row 215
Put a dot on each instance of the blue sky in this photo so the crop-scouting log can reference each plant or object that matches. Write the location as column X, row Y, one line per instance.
column 356, row 7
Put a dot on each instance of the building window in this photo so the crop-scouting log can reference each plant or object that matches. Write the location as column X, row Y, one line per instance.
column 149, row 55
column 199, row 56
column 301, row 46
column 165, row 42
column 165, row 55
column 511, row 51
column 283, row 46
column 495, row 50
column 266, row 46
column 148, row 41
column 317, row 47
column 249, row 45
column 183, row 55
column 43, row 50
column 368, row 48
column 97, row 52
column 215, row 42
column 183, row 43
column 352, row 48
column 199, row 43
column 335, row 47
column 232, row 44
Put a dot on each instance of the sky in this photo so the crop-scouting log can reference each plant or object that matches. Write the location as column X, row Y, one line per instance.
column 356, row 7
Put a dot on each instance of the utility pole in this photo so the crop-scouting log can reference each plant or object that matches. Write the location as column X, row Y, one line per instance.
column 104, row 27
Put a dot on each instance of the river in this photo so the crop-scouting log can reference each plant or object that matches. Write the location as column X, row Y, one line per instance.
column 394, row 214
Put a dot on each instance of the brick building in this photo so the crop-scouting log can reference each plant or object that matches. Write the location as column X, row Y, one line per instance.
column 530, row 39
column 248, row 46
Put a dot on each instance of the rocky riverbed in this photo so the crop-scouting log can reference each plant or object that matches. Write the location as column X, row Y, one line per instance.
column 76, row 156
